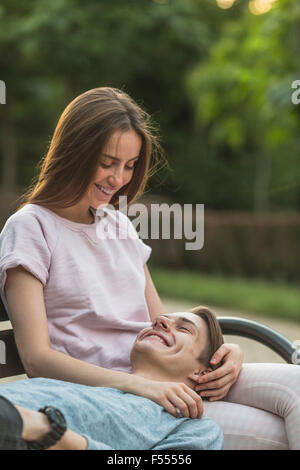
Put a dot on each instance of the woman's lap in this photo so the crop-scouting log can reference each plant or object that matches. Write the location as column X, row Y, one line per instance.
column 262, row 410
column 245, row 427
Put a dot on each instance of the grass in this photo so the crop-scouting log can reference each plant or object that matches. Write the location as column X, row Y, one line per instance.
column 263, row 297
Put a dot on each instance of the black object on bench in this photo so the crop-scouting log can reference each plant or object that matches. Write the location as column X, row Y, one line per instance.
column 8, row 351
column 230, row 326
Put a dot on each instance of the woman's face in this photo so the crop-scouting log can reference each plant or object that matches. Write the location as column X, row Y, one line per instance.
column 116, row 166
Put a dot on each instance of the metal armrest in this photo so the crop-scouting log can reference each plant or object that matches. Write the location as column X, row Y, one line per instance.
column 261, row 333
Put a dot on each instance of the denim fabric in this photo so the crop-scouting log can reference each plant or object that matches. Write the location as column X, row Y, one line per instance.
column 10, row 427
column 113, row 420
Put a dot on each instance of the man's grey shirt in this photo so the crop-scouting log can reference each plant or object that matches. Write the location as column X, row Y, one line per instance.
column 114, row 420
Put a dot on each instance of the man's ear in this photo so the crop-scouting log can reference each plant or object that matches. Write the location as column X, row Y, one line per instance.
column 206, row 371
column 197, row 373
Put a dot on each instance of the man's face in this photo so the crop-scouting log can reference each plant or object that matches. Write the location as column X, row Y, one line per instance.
column 173, row 343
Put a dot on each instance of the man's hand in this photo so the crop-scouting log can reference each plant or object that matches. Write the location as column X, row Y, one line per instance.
column 175, row 397
column 215, row 385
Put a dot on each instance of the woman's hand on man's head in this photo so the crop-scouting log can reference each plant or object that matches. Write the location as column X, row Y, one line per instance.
column 216, row 384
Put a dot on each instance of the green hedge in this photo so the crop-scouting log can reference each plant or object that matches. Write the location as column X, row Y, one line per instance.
column 265, row 246
column 267, row 298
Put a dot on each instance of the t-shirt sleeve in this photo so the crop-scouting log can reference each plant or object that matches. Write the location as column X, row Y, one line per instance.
column 22, row 242
column 144, row 250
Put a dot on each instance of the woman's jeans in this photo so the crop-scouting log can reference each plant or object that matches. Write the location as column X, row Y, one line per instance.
column 10, row 427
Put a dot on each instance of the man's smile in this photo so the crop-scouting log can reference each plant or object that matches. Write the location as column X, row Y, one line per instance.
column 158, row 336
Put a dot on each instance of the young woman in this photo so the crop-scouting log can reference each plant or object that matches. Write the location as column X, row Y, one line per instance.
column 81, row 298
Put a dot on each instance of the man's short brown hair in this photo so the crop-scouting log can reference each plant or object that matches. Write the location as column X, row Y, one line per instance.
column 215, row 337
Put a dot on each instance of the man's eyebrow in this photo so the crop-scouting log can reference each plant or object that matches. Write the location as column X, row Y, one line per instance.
column 116, row 158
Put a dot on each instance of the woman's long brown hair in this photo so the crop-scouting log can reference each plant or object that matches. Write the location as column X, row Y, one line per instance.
column 79, row 137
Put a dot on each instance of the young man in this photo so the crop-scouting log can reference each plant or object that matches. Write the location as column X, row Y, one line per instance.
column 173, row 351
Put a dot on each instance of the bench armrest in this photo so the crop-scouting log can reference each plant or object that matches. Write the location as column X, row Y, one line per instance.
column 261, row 333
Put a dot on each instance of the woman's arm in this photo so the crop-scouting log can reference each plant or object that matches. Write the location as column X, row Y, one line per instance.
column 154, row 303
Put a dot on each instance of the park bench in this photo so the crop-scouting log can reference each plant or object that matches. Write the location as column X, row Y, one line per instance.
column 11, row 364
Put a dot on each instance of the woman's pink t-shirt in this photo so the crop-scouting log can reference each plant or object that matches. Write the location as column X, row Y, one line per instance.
column 94, row 284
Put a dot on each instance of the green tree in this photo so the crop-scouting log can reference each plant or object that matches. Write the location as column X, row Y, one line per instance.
column 242, row 99
column 52, row 51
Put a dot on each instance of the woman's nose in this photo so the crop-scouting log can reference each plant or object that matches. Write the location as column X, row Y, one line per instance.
column 116, row 177
column 114, row 180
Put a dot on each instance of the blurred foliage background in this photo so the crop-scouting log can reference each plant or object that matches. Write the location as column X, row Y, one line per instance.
column 216, row 77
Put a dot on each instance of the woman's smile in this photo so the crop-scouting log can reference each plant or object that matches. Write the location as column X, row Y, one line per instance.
column 103, row 191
